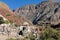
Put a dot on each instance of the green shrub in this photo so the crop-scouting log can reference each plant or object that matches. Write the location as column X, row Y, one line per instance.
column 50, row 34
column 50, row 39
column 11, row 22
column 11, row 39
column 1, row 20
column 6, row 22
column 7, row 14
column 32, row 37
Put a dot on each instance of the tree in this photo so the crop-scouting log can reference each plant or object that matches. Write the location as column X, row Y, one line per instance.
column 1, row 20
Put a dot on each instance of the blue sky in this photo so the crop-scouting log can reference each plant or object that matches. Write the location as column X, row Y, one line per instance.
column 13, row 4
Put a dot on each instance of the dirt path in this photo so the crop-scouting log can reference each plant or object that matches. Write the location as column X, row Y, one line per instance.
column 3, row 37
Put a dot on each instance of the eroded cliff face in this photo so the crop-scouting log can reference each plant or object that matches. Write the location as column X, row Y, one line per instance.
column 44, row 12
column 27, row 12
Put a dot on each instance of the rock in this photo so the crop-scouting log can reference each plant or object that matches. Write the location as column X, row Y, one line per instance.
column 44, row 12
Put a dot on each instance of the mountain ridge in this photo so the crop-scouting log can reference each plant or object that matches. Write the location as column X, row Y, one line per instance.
column 7, row 13
column 37, row 13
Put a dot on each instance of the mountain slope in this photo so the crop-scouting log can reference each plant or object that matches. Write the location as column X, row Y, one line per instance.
column 44, row 12
column 8, row 14
column 27, row 12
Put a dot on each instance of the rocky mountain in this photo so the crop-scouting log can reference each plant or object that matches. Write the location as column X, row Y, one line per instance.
column 9, row 15
column 46, row 12
column 27, row 12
